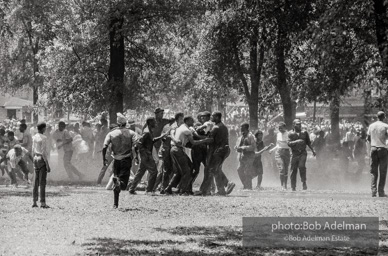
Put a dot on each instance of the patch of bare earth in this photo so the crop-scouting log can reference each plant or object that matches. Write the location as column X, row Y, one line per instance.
column 81, row 221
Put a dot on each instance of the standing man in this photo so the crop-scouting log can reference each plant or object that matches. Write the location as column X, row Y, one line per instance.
column 377, row 136
column 64, row 140
column 181, row 162
column 282, row 154
column 246, row 148
column 165, row 151
column 40, row 150
column 147, row 163
column 217, row 153
column 359, row 151
column 297, row 141
column 257, row 163
column 122, row 140
column 199, row 152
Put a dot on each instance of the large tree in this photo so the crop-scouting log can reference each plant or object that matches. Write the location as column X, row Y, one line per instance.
column 27, row 29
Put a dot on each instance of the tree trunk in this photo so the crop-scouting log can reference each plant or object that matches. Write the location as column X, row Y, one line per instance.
column 381, row 21
column 253, row 100
column 35, row 91
column 283, row 88
column 116, row 66
column 335, row 117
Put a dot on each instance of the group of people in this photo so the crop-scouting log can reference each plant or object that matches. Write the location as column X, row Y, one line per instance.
column 183, row 145
column 207, row 139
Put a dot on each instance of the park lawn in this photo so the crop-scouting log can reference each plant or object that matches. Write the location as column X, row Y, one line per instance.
column 81, row 221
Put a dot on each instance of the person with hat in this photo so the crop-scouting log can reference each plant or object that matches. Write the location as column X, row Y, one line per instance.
column 122, row 141
column 298, row 139
column 40, row 150
column 377, row 136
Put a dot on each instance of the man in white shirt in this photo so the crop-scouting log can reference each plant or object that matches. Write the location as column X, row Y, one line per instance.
column 377, row 136
column 282, row 155
column 15, row 160
column 40, row 150
column 181, row 161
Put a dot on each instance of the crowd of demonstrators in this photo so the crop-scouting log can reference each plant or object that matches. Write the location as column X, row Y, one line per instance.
column 172, row 151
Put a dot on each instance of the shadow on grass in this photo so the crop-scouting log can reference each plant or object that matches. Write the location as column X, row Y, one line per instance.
column 20, row 192
column 193, row 241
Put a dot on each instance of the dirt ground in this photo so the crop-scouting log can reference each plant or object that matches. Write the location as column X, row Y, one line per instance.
column 81, row 220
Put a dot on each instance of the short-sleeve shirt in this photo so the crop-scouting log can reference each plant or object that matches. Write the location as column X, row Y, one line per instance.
column 378, row 132
column 13, row 159
column 122, row 140
column 40, row 145
column 182, row 134
column 281, row 140
column 62, row 136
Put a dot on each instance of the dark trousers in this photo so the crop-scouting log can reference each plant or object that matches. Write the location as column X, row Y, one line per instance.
column 182, row 169
column 298, row 162
column 69, row 167
column 147, row 163
column 198, row 155
column 121, row 170
column 103, row 170
column 379, row 162
column 40, row 177
column 214, row 165
column 246, row 171
column 167, row 167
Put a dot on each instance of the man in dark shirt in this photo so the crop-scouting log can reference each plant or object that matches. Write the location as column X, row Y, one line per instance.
column 160, row 123
column 297, row 141
column 199, row 152
column 147, row 162
column 217, row 153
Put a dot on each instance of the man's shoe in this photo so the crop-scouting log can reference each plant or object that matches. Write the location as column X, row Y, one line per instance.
column 184, row 194
column 304, row 186
column 162, row 192
column 115, row 206
column 293, row 189
column 45, row 206
column 132, row 192
column 220, row 194
column 150, row 193
column 373, row 195
column 230, row 187
column 34, row 205
column 383, row 195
